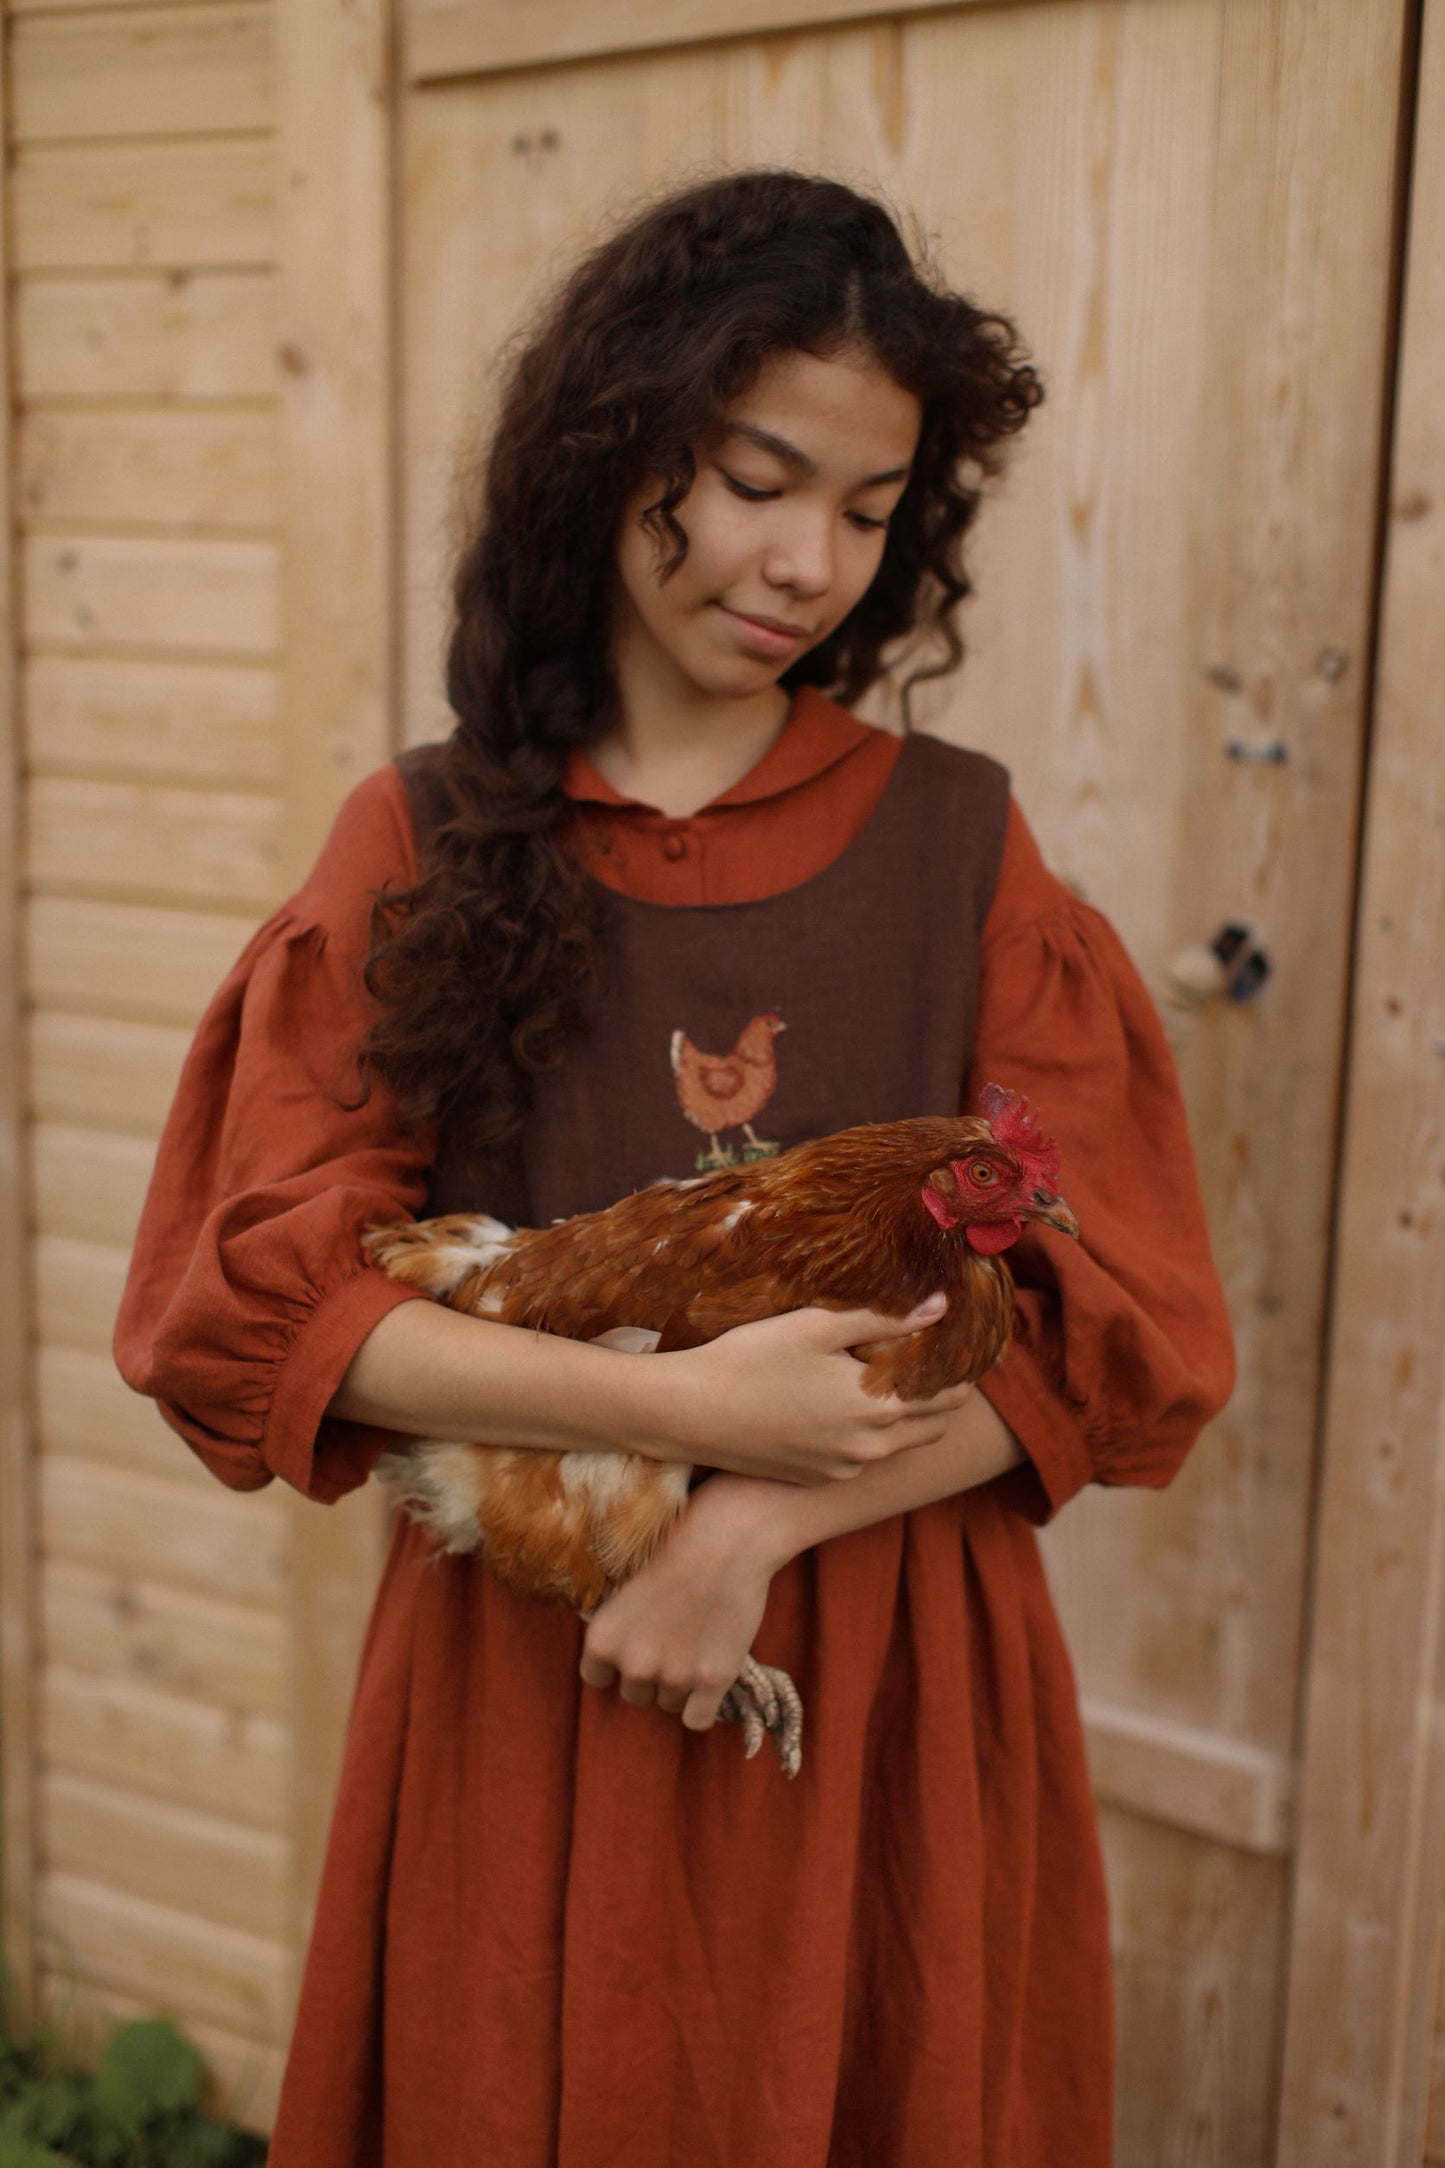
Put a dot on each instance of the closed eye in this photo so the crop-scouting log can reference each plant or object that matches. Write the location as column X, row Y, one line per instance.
column 763, row 496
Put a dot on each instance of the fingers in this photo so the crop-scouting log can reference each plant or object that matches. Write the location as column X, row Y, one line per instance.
column 848, row 1328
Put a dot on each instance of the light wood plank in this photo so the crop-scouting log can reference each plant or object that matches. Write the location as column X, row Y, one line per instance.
column 155, row 1951
column 226, row 1543
column 180, row 334
column 187, row 468
column 338, row 691
column 138, row 70
column 229, row 1655
column 202, row 1864
column 106, row 1072
column 245, row 2082
column 165, row 721
column 447, row 38
column 148, row 839
column 17, row 1570
column 1225, row 1789
column 224, row 1761
column 84, row 1406
column 130, row 959
column 189, row 205
column 1365, row 1947
column 77, row 1292
column 87, row 1184
column 196, row 596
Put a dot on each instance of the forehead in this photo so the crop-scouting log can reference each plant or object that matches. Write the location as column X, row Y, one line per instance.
column 845, row 412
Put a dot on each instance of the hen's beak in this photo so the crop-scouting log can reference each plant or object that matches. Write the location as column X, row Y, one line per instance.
column 1051, row 1211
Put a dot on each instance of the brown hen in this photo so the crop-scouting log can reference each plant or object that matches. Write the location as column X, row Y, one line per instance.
column 874, row 1216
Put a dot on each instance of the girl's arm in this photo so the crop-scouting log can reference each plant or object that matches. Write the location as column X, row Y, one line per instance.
column 678, row 1631
column 779, row 1399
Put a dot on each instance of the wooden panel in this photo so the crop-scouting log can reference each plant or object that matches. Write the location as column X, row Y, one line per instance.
column 225, row 1761
column 201, row 1864
column 125, row 591
column 245, row 2076
column 1196, row 1780
column 17, row 1590
column 229, row 1654
column 84, row 1406
column 230, row 1543
column 88, row 1184
column 194, row 468
column 154, row 841
column 139, row 70
column 211, row 722
column 159, row 1953
column 1189, row 1920
column 113, row 1073
column 165, row 335
column 191, row 205
column 338, row 684
column 131, row 959
column 77, row 1293
column 470, row 37
column 1368, row 1889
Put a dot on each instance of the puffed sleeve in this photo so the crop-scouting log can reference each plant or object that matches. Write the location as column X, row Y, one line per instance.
column 1123, row 1349
column 248, row 1293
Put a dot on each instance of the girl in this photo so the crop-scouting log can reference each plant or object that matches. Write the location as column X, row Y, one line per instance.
column 562, row 1918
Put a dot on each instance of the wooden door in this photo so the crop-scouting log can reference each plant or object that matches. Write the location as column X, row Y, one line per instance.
column 1190, row 208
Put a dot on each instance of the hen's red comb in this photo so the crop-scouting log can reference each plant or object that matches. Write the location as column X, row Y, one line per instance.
column 1015, row 1124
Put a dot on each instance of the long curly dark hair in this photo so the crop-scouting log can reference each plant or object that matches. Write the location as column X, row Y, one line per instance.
column 629, row 364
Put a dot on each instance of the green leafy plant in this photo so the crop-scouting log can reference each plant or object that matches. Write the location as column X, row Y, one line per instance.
column 140, row 2107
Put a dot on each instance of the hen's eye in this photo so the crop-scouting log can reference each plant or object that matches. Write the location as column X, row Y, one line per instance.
column 981, row 1172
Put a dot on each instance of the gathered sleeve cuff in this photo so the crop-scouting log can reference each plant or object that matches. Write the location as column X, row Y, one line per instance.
column 1123, row 1348
column 248, row 1292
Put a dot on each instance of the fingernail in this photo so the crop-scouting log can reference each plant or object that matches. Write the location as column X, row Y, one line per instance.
column 932, row 1305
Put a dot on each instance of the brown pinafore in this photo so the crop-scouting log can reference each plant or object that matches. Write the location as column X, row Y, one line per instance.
column 861, row 985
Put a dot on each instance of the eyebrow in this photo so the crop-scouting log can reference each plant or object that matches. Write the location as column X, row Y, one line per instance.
column 791, row 456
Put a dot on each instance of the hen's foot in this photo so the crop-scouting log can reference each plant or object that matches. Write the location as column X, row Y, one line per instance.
column 766, row 1703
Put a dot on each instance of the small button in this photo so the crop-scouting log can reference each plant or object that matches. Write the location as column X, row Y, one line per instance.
column 674, row 846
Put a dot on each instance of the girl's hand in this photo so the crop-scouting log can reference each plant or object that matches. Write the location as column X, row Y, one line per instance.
column 782, row 1397
column 677, row 1632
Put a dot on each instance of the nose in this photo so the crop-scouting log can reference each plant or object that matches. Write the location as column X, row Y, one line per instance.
column 801, row 557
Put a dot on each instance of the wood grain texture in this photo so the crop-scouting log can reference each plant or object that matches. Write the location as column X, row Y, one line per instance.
column 195, row 1645
column 17, row 1509
column 194, row 468
column 161, row 1953
column 202, row 1864
column 133, row 71
column 222, row 1761
column 185, row 204
column 118, row 1520
column 193, row 596
column 157, row 721
column 335, row 116
column 129, row 959
column 142, row 840
column 1365, row 1947
column 177, row 334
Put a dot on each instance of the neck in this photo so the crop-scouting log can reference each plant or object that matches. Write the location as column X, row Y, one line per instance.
column 675, row 745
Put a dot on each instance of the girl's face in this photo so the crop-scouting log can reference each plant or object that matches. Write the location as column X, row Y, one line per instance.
column 785, row 519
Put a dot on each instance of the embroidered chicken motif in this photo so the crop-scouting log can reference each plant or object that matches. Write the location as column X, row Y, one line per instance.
column 724, row 1091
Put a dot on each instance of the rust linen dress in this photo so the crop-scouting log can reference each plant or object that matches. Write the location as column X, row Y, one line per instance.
column 554, row 1928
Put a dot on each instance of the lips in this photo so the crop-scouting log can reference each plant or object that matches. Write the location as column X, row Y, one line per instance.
column 764, row 636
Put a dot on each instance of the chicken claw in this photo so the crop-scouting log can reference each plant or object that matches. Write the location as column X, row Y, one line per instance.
column 765, row 1701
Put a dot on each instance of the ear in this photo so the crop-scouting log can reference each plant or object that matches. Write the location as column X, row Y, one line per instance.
column 940, row 1194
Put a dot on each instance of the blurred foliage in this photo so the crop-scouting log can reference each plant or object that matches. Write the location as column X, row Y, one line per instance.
column 140, row 2107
